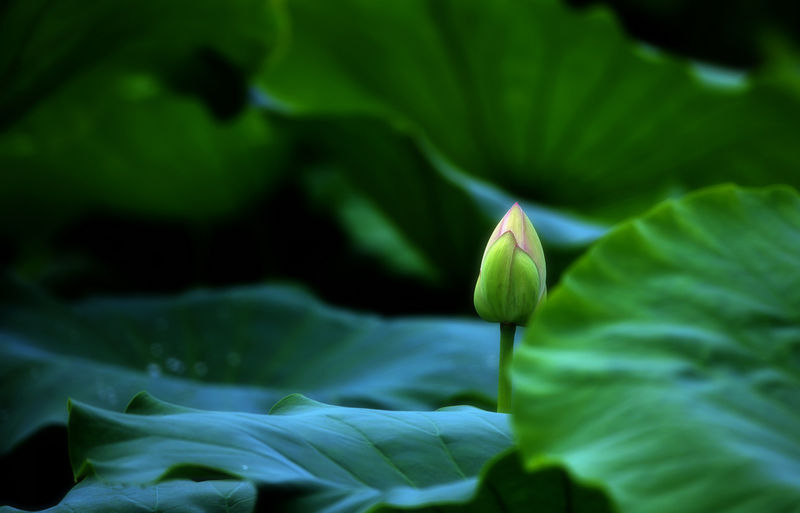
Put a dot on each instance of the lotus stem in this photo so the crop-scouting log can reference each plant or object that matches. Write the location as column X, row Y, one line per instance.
column 507, row 332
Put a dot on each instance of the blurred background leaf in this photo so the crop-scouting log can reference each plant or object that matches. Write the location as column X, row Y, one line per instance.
column 556, row 105
column 137, row 147
column 134, row 109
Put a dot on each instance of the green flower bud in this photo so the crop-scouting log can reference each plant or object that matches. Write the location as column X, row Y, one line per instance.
column 511, row 282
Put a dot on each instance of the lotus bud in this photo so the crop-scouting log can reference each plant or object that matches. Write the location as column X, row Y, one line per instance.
column 511, row 283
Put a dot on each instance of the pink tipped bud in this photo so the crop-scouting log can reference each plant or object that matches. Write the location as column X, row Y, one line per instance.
column 512, row 277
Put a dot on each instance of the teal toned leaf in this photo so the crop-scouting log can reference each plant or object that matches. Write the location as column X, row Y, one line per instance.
column 90, row 496
column 556, row 105
column 240, row 349
column 667, row 363
column 308, row 456
column 355, row 458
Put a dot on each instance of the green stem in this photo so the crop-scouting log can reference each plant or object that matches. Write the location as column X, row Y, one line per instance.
column 504, row 382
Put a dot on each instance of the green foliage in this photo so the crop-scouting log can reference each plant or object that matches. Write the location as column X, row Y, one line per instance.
column 673, row 346
column 162, row 161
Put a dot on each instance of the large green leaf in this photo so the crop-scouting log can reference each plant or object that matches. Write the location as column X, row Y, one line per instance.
column 240, row 349
column 667, row 363
column 308, row 456
column 556, row 105
column 91, row 496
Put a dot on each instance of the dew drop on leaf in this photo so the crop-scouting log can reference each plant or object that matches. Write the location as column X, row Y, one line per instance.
column 176, row 366
column 154, row 369
column 106, row 393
